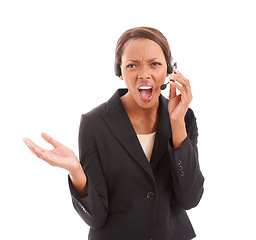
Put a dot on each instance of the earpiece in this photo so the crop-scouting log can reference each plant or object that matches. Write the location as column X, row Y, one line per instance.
column 117, row 69
column 173, row 66
column 170, row 67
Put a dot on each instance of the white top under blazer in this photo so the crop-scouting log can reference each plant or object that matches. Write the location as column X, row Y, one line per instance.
column 147, row 143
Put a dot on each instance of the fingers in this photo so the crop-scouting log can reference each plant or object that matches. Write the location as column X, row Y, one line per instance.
column 173, row 93
column 50, row 140
column 39, row 152
column 31, row 145
column 46, row 156
column 183, row 86
column 184, row 96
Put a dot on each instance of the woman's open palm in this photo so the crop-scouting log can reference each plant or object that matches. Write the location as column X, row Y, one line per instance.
column 60, row 155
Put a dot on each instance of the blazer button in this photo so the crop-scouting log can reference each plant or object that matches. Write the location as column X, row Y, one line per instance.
column 179, row 162
column 182, row 173
column 150, row 195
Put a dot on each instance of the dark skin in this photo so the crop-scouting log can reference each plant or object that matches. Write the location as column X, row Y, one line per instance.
column 144, row 122
column 143, row 61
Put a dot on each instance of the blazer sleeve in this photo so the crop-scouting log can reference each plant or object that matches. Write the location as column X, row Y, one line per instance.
column 93, row 208
column 187, row 177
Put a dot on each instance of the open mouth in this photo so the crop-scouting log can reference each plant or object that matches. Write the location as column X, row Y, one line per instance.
column 145, row 91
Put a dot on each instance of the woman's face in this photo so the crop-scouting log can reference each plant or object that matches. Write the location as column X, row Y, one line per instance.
column 144, row 70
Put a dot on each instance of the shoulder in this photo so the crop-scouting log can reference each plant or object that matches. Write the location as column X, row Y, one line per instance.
column 95, row 112
column 113, row 105
column 88, row 119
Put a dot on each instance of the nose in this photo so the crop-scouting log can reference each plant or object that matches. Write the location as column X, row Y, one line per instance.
column 144, row 73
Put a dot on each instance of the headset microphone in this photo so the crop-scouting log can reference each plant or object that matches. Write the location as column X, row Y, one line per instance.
column 165, row 84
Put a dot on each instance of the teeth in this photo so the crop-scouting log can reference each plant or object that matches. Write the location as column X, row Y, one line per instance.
column 145, row 87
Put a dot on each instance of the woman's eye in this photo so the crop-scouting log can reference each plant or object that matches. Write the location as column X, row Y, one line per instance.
column 131, row 66
column 156, row 64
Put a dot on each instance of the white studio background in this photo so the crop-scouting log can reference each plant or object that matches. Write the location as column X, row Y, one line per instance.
column 56, row 62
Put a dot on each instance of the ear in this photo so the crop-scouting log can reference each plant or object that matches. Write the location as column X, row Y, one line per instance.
column 121, row 77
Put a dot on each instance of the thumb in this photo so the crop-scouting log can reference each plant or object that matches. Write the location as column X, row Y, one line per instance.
column 50, row 140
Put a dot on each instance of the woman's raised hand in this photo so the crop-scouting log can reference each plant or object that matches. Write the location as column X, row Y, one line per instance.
column 178, row 104
column 60, row 156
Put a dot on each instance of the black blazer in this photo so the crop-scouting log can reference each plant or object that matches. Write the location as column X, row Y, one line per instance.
column 128, row 197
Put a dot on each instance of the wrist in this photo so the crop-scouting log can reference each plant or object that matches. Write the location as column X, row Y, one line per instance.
column 75, row 168
column 179, row 132
column 179, row 122
column 79, row 180
column 176, row 117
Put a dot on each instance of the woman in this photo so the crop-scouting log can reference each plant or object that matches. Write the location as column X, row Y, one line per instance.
column 138, row 169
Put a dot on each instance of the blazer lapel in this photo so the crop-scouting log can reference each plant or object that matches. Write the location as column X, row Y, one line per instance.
column 120, row 125
column 163, row 133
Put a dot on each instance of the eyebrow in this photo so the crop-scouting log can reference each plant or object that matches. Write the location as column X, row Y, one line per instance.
column 131, row 60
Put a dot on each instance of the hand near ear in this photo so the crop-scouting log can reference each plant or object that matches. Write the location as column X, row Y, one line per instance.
column 178, row 104
column 60, row 156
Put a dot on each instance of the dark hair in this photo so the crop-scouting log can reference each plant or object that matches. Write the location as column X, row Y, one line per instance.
column 142, row 32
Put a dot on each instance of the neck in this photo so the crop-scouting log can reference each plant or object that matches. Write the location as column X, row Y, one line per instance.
column 144, row 120
column 133, row 109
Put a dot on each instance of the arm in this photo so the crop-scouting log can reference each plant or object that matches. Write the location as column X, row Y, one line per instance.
column 89, row 195
column 187, row 177
column 78, row 180
column 179, row 133
column 93, row 205
column 178, row 106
